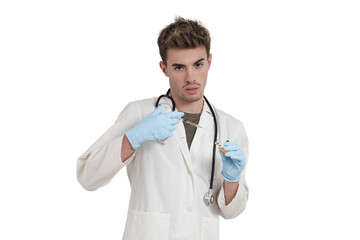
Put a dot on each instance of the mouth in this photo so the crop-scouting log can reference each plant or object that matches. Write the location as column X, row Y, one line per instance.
column 192, row 90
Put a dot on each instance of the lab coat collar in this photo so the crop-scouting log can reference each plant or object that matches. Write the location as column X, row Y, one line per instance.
column 206, row 121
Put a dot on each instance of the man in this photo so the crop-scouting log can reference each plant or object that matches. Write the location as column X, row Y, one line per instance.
column 169, row 163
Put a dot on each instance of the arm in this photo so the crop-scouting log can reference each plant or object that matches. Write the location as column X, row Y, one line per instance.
column 233, row 195
column 230, row 189
column 99, row 164
column 232, row 208
column 126, row 149
column 117, row 147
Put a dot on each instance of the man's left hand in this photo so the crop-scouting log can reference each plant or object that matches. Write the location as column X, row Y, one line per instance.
column 233, row 162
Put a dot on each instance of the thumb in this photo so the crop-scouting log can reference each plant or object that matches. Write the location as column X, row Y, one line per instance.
column 157, row 111
column 174, row 114
column 221, row 154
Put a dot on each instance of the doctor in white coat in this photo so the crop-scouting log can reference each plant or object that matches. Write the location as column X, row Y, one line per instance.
column 168, row 165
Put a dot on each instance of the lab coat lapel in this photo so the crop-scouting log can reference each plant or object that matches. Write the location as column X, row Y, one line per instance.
column 206, row 121
column 180, row 137
column 179, row 134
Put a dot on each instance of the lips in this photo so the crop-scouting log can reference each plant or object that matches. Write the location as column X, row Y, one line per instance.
column 191, row 90
column 191, row 87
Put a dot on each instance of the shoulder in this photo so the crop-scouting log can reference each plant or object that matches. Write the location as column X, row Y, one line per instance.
column 136, row 110
column 231, row 128
column 143, row 106
column 227, row 119
column 144, row 102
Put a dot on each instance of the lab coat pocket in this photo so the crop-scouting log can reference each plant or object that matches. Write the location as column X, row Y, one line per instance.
column 210, row 228
column 146, row 225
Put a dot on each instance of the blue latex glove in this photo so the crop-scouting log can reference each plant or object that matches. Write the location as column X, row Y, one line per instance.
column 233, row 162
column 155, row 126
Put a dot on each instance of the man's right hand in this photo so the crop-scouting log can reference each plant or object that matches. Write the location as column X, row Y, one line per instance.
column 155, row 126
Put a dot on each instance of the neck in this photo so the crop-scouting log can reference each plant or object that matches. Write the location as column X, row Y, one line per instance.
column 190, row 107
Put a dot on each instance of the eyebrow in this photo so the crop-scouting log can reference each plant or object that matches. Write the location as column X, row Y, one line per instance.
column 182, row 65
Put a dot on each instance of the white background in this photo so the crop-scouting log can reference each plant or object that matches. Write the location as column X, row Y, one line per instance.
column 289, row 70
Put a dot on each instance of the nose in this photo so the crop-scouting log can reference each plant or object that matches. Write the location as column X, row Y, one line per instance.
column 190, row 76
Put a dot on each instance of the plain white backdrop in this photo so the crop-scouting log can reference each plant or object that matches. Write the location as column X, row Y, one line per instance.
column 289, row 70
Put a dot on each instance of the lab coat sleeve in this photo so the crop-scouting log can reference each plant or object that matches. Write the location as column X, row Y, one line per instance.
column 238, row 204
column 99, row 164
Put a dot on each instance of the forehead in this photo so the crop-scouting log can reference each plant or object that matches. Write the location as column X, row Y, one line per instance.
column 185, row 56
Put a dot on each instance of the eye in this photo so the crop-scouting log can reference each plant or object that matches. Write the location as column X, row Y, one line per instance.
column 198, row 65
column 178, row 68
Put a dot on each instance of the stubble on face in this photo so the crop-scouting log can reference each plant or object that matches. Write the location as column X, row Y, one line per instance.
column 192, row 98
column 188, row 86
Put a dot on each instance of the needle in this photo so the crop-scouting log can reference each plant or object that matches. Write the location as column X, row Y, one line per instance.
column 192, row 123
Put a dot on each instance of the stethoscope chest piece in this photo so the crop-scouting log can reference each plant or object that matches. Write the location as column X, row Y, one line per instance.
column 208, row 197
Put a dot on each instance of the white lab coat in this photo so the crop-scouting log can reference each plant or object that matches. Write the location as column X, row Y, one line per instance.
column 168, row 181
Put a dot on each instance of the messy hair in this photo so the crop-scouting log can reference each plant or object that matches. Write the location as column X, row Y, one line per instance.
column 183, row 33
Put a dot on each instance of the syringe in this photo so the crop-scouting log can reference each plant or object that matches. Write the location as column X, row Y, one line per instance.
column 192, row 123
column 221, row 146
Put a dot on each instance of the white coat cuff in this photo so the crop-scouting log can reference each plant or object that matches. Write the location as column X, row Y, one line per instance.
column 236, row 206
column 129, row 159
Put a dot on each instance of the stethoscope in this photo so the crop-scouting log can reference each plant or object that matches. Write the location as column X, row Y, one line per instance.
column 208, row 197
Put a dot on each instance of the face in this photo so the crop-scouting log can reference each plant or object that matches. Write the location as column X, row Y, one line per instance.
column 187, row 71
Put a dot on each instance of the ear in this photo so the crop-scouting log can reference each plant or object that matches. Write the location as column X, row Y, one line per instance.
column 209, row 59
column 163, row 68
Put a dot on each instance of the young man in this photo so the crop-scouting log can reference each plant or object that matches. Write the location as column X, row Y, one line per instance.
column 169, row 163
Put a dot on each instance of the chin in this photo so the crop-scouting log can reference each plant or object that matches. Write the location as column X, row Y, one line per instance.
column 192, row 98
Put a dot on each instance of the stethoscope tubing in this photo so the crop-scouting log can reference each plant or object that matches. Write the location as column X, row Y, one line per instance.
column 167, row 96
column 215, row 135
column 214, row 146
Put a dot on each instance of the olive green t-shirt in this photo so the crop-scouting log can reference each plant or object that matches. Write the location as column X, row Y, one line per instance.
column 189, row 129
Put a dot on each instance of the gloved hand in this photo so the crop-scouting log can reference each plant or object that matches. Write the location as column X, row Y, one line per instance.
column 233, row 162
column 154, row 126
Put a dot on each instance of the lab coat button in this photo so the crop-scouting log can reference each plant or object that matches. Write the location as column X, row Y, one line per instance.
column 189, row 209
column 188, row 172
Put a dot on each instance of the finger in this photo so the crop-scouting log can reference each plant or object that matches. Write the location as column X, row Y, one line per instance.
column 169, row 134
column 163, row 134
column 231, row 154
column 174, row 114
column 171, row 128
column 237, row 158
column 230, row 146
column 240, row 164
column 158, row 110
column 173, row 121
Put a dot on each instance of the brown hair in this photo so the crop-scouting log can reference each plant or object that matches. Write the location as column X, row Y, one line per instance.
column 183, row 33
